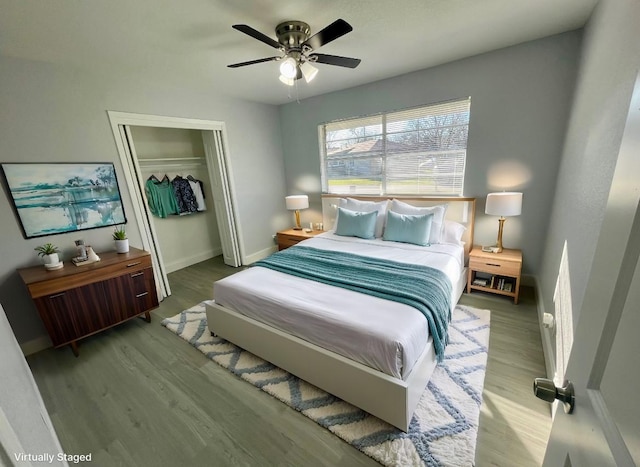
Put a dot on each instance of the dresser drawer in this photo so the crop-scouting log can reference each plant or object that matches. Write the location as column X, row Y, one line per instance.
column 500, row 267
column 285, row 241
column 79, row 276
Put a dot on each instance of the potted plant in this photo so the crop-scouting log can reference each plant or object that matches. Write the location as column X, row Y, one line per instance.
column 49, row 254
column 120, row 237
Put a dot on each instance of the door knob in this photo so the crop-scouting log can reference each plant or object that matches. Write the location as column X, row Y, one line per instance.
column 546, row 390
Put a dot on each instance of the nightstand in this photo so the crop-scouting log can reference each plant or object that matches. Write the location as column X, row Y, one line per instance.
column 287, row 238
column 497, row 273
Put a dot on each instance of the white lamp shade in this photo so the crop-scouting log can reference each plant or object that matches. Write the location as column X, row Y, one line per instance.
column 289, row 67
column 297, row 202
column 287, row 81
column 504, row 204
column 309, row 71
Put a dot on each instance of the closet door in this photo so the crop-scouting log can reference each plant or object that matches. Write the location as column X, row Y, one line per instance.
column 222, row 199
column 141, row 208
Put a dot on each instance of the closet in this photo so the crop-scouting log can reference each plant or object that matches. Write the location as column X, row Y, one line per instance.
column 184, row 239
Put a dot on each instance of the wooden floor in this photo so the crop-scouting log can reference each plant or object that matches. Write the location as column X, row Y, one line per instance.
column 140, row 396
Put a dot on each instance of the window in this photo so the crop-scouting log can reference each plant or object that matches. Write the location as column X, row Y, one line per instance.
column 421, row 150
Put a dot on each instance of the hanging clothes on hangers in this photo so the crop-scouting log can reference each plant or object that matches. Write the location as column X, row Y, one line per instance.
column 196, row 186
column 161, row 197
column 184, row 196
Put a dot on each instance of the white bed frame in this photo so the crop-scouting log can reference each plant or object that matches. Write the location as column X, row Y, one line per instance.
column 391, row 399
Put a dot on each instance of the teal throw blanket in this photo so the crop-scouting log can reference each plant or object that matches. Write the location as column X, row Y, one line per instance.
column 422, row 287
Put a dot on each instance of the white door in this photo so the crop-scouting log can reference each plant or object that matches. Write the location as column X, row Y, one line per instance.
column 222, row 196
column 604, row 428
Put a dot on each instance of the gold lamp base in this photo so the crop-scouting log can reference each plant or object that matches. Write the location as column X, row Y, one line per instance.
column 296, row 213
column 500, row 229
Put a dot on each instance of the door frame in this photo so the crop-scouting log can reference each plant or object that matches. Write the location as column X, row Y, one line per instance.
column 119, row 122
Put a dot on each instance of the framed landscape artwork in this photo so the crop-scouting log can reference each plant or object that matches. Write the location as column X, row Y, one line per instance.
column 51, row 199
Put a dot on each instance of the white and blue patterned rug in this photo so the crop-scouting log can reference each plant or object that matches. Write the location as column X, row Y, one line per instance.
column 444, row 428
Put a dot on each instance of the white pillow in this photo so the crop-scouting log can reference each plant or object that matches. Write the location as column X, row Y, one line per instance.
column 437, row 227
column 367, row 206
column 453, row 232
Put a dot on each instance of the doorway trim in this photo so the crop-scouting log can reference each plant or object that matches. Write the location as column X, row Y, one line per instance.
column 120, row 121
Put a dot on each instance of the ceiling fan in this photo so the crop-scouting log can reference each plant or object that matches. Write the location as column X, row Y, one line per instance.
column 297, row 47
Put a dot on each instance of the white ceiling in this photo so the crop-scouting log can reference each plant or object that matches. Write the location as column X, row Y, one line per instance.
column 191, row 42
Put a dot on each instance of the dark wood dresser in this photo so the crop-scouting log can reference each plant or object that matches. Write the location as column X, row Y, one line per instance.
column 78, row 301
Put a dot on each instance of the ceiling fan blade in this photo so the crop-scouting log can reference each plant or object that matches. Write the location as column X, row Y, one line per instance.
column 253, row 62
column 337, row 60
column 336, row 29
column 248, row 30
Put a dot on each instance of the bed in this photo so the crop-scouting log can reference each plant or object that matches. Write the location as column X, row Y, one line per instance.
column 372, row 352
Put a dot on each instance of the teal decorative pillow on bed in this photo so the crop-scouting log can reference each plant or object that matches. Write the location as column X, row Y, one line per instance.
column 368, row 206
column 439, row 211
column 356, row 224
column 408, row 228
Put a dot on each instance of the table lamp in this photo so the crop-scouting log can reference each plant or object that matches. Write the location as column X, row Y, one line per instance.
column 295, row 203
column 503, row 204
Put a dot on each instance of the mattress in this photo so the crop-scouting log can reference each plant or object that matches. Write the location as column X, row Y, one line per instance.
column 382, row 334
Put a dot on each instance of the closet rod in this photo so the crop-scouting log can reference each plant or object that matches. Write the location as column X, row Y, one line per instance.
column 172, row 159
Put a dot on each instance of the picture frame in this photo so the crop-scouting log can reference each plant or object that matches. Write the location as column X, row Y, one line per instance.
column 55, row 198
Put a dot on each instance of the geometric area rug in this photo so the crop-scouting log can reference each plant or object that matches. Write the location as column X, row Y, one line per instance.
column 444, row 428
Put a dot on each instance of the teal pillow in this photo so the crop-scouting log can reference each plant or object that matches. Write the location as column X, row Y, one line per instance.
column 356, row 224
column 408, row 228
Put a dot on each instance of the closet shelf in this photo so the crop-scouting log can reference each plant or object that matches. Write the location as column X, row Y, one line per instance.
column 171, row 159
column 171, row 163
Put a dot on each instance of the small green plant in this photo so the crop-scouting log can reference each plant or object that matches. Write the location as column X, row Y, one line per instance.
column 120, row 233
column 46, row 249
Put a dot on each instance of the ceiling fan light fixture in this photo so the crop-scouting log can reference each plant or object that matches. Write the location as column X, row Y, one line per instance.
column 296, row 47
column 287, row 81
column 309, row 71
column 289, row 68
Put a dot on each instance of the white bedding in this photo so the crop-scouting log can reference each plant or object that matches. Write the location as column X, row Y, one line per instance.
column 382, row 334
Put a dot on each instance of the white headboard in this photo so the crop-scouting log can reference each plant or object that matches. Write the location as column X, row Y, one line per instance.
column 459, row 209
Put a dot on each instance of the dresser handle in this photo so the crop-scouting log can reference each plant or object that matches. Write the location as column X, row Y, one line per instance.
column 133, row 264
column 137, row 274
column 56, row 295
column 142, row 294
column 495, row 265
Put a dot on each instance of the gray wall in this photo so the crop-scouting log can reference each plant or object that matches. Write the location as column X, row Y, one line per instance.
column 609, row 66
column 54, row 114
column 520, row 100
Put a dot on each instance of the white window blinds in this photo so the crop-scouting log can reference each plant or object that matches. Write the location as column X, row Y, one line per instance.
column 414, row 151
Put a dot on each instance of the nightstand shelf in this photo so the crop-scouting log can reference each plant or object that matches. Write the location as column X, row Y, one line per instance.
column 290, row 237
column 500, row 272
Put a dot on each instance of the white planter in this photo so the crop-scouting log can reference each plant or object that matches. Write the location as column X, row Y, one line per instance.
column 122, row 246
column 51, row 259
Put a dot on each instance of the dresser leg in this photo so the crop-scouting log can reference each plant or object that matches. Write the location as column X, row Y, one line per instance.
column 74, row 348
column 147, row 316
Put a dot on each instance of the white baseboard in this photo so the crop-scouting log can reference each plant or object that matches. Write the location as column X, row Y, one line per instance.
column 259, row 255
column 193, row 259
column 35, row 345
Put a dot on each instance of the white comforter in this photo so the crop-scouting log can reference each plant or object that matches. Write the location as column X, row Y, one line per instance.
column 382, row 334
